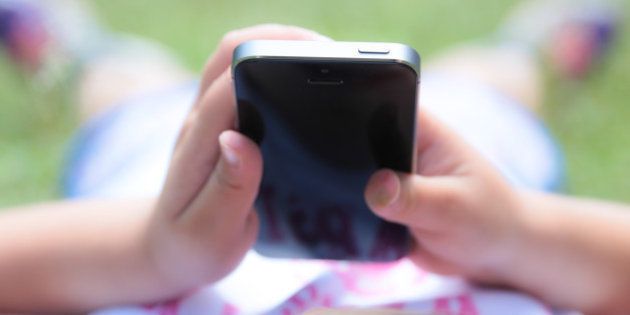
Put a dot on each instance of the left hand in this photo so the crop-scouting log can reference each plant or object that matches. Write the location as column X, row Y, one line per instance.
column 204, row 224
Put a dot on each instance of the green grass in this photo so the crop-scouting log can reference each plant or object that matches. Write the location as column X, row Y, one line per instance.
column 591, row 121
column 35, row 127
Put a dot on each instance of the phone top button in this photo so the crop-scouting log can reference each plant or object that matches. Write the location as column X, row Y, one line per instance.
column 374, row 50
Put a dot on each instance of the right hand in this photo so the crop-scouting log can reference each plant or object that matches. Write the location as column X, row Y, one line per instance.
column 464, row 216
column 203, row 222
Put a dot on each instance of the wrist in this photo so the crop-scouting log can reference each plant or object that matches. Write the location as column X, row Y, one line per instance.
column 571, row 255
column 163, row 257
column 527, row 229
column 180, row 261
column 514, row 240
column 542, row 251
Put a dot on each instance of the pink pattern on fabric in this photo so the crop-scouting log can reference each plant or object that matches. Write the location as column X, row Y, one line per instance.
column 449, row 306
column 307, row 298
column 467, row 305
column 229, row 309
column 397, row 306
column 166, row 308
column 441, row 306
column 371, row 279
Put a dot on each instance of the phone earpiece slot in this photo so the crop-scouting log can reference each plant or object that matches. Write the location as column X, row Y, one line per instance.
column 325, row 81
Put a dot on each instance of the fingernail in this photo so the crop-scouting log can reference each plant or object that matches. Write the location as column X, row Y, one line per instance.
column 230, row 155
column 387, row 189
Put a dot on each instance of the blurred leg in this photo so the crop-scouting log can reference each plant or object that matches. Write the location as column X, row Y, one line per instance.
column 512, row 71
column 134, row 69
column 56, row 41
column 571, row 36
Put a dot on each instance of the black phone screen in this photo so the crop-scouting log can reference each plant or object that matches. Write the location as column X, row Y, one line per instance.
column 324, row 128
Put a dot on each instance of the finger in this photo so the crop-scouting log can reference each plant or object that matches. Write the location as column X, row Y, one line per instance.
column 439, row 150
column 197, row 152
column 413, row 200
column 220, row 219
column 427, row 261
column 224, row 204
column 222, row 58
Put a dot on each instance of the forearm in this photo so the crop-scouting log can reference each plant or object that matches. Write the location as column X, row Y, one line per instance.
column 70, row 256
column 575, row 253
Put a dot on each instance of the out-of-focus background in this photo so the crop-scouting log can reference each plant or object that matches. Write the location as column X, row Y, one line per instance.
column 591, row 120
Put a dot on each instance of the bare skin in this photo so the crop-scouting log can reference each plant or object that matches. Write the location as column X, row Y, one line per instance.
column 468, row 221
column 74, row 256
column 567, row 251
column 507, row 69
column 465, row 219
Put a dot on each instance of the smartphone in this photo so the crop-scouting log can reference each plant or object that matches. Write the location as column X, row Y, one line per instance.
column 326, row 116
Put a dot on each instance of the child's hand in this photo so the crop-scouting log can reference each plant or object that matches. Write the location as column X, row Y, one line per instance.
column 467, row 220
column 461, row 212
column 204, row 223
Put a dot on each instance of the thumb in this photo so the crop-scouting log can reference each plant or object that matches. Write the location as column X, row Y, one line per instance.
column 226, row 200
column 412, row 200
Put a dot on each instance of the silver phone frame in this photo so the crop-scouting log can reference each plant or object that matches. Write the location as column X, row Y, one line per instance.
column 327, row 51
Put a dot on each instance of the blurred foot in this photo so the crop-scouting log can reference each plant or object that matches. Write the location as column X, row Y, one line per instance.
column 23, row 35
column 46, row 38
column 574, row 34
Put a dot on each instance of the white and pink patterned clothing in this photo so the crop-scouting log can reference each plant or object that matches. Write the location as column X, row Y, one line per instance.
column 284, row 287
column 125, row 153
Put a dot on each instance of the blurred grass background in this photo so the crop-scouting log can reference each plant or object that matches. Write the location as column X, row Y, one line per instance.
column 590, row 120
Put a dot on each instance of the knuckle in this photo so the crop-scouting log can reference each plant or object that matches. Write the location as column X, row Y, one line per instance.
column 227, row 43
column 230, row 40
column 446, row 207
column 230, row 183
column 216, row 100
column 204, row 105
column 450, row 198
